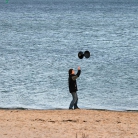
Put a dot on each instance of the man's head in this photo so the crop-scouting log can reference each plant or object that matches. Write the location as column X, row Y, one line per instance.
column 71, row 71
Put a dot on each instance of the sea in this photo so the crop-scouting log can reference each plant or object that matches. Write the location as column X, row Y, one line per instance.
column 40, row 41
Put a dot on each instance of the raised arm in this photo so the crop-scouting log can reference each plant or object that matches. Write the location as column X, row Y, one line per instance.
column 77, row 75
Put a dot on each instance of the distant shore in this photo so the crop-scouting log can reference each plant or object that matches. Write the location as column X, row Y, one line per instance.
column 67, row 124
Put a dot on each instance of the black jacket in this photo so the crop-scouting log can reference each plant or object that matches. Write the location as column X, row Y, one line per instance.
column 72, row 81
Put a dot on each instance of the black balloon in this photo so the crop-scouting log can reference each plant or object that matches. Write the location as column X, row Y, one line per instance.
column 80, row 55
column 86, row 54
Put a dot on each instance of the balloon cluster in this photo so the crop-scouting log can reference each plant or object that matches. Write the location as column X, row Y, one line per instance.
column 86, row 54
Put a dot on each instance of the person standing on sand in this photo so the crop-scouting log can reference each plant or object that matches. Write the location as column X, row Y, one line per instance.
column 73, row 87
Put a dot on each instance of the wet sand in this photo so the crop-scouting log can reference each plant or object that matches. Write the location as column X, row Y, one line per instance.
column 68, row 124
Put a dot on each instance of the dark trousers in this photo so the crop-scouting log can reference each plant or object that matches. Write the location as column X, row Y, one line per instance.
column 74, row 101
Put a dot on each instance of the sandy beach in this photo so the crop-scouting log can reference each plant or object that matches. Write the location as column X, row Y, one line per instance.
column 68, row 124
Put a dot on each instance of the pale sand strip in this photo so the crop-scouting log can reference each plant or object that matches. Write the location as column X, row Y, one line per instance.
column 68, row 123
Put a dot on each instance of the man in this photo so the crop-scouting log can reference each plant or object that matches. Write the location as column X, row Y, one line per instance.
column 73, row 87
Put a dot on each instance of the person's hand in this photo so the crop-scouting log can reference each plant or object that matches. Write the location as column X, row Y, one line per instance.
column 79, row 68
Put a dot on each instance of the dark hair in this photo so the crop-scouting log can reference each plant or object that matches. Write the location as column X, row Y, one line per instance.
column 70, row 71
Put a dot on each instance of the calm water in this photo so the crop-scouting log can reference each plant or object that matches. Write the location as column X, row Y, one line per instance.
column 39, row 43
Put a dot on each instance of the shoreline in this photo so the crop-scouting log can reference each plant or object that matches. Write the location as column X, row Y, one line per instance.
column 67, row 123
column 21, row 108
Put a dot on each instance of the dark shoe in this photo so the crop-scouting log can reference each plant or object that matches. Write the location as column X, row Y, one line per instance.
column 77, row 108
column 70, row 108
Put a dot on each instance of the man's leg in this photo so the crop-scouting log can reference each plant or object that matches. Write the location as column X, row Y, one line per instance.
column 74, row 100
column 75, row 104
